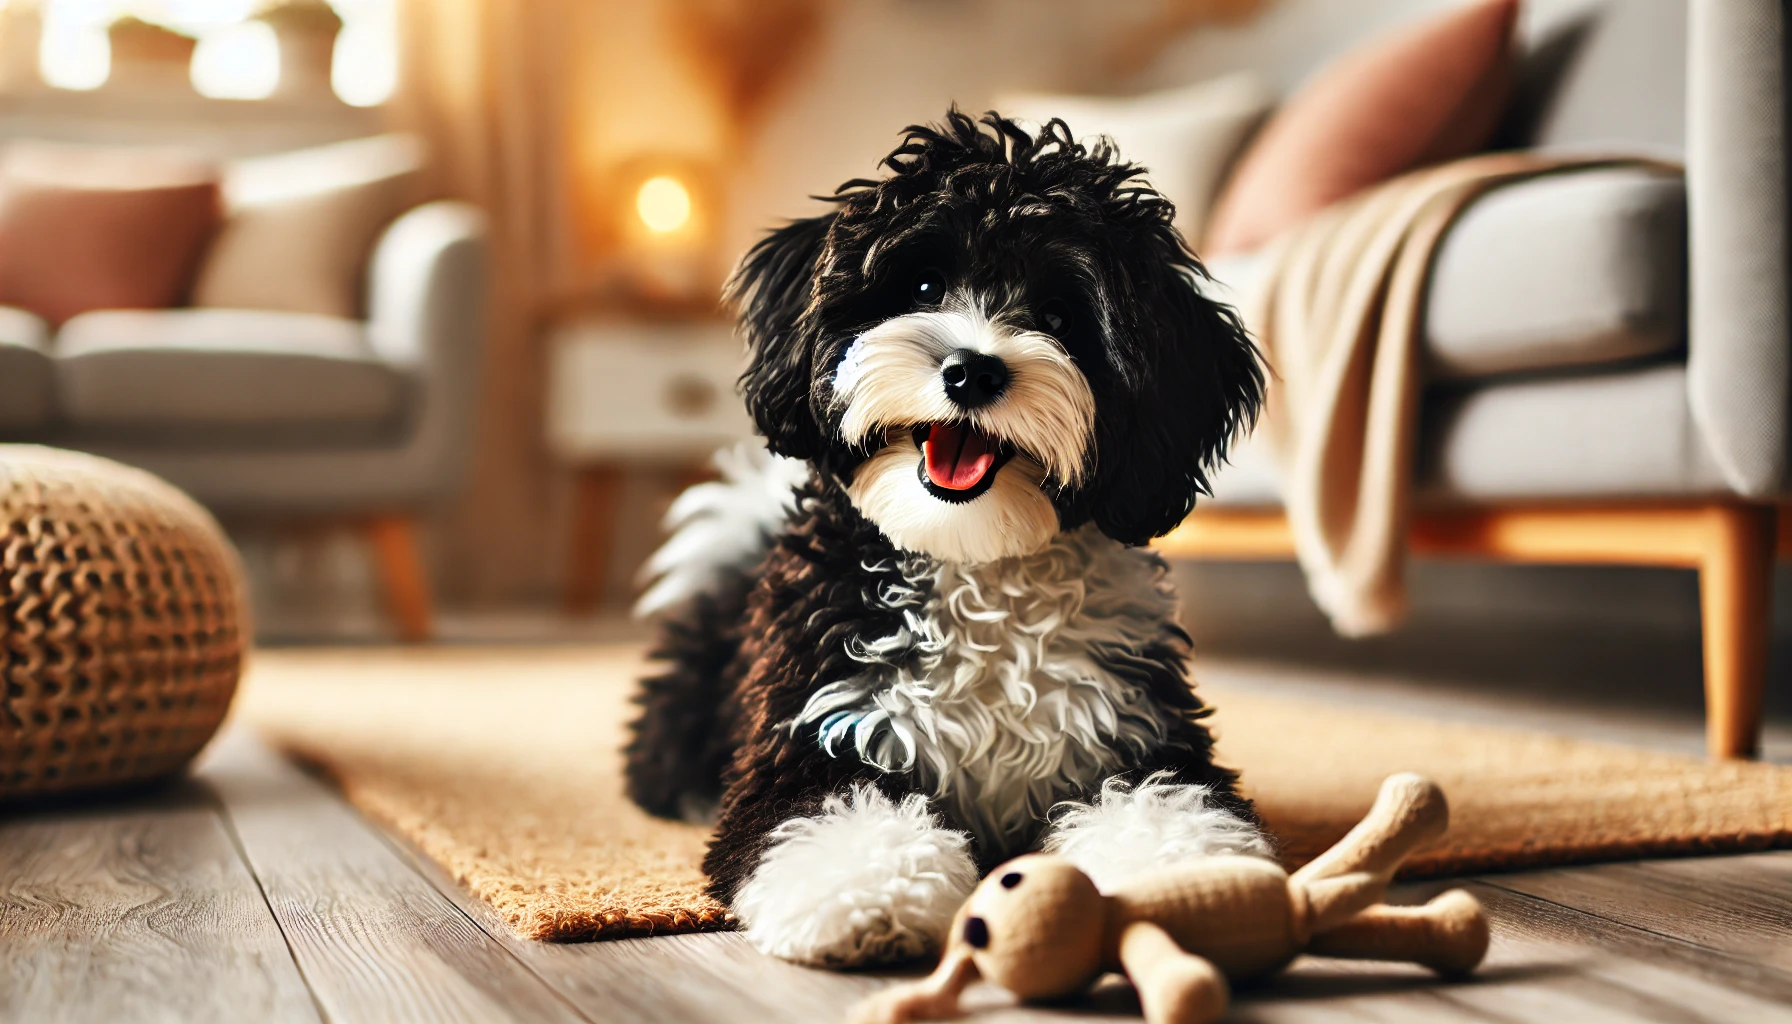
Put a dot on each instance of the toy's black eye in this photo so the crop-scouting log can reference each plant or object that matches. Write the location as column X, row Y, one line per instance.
column 1054, row 316
column 930, row 286
column 976, row 932
column 1011, row 879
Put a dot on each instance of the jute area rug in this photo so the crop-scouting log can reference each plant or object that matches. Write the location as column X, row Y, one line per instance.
column 502, row 765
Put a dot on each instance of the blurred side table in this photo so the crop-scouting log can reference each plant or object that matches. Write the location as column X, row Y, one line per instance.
column 627, row 394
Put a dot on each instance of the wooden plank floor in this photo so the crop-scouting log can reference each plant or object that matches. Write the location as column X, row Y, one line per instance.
column 253, row 893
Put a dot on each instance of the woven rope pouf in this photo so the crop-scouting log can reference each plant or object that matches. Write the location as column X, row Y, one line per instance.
column 122, row 624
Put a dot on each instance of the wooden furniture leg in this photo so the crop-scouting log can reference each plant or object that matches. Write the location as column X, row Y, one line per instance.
column 597, row 493
column 406, row 585
column 1736, row 604
column 1731, row 545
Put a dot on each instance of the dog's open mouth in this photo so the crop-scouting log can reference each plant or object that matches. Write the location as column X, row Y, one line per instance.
column 958, row 461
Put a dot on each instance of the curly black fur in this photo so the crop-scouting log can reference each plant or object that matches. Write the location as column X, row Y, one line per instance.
column 818, row 589
column 679, row 747
column 1038, row 218
column 1033, row 220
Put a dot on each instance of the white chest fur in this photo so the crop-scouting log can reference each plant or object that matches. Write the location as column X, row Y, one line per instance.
column 1019, row 697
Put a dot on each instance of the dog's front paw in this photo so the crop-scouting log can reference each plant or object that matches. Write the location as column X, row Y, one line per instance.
column 1129, row 830
column 866, row 881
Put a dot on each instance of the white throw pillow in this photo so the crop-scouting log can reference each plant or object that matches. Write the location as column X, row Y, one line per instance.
column 299, row 227
column 1186, row 138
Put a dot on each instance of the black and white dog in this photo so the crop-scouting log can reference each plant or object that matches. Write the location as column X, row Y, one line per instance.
column 920, row 636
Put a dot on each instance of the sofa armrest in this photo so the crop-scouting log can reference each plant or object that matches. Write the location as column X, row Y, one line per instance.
column 427, row 276
column 427, row 290
column 1737, row 344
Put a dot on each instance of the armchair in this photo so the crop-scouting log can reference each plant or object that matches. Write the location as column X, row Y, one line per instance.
column 264, row 414
column 1607, row 352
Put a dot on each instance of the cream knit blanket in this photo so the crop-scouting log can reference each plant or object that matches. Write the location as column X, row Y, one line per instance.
column 1338, row 313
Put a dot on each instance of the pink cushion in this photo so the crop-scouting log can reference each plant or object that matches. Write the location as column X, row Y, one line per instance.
column 1430, row 92
column 86, row 228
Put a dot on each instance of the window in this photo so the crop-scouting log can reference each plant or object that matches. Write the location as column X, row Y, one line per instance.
column 235, row 56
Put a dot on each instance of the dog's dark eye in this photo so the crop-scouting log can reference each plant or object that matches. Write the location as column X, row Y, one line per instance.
column 930, row 286
column 1054, row 316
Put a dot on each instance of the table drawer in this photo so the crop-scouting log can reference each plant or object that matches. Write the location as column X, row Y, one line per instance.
column 635, row 392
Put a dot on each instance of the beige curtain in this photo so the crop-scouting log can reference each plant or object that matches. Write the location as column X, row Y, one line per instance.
column 486, row 84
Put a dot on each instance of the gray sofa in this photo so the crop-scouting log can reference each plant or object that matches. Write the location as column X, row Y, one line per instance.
column 267, row 414
column 1617, row 339
column 1573, row 350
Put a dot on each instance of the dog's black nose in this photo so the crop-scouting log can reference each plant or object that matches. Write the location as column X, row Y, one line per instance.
column 973, row 378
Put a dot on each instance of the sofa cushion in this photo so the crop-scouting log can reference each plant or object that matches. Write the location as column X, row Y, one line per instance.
column 1620, row 434
column 1185, row 138
column 1560, row 271
column 302, row 225
column 85, row 228
column 26, row 389
column 1605, row 76
column 1571, row 270
column 1610, row 435
column 225, row 376
column 1250, row 478
column 1426, row 93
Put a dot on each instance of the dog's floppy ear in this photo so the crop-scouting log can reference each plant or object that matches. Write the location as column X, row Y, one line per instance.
column 771, row 289
column 1206, row 387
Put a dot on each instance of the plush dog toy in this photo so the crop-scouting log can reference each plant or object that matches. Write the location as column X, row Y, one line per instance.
column 1038, row 927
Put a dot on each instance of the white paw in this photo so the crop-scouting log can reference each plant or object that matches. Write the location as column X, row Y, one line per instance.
column 865, row 881
column 1129, row 830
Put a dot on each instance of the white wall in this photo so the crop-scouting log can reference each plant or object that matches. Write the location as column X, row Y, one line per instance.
column 888, row 63
column 885, row 64
column 1285, row 43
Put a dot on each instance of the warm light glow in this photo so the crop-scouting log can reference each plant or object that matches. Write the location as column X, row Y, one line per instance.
column 73, row 55
column 664, row 204
column 237, row 62
column 234, row 58
column 365, row 69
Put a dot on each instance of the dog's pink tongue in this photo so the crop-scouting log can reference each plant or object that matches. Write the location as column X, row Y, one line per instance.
column 957, row 456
